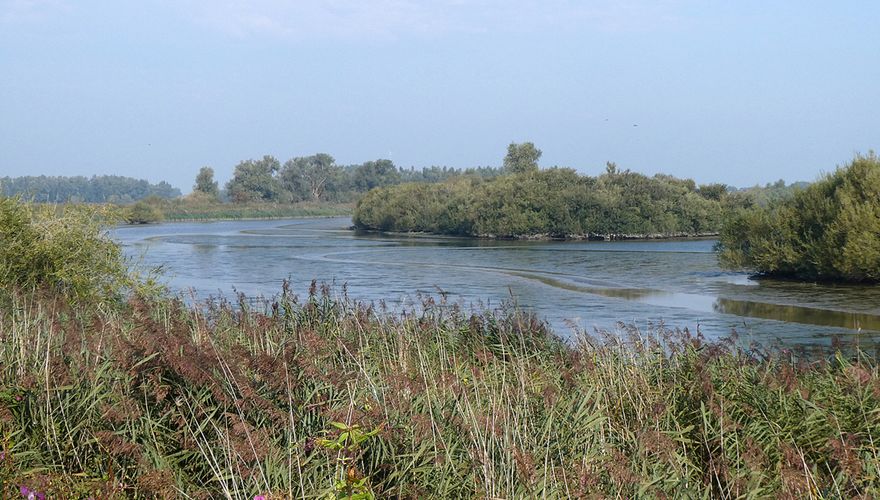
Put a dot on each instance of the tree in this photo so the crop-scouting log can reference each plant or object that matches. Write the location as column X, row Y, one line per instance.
column 714, row 191
column 205, row 182
column 307, row 177
column 829, row 231
column 254, row 180
column 375, row 174
column 611, row 168
column 78, row 189
column 521, row 158
column 144, row 212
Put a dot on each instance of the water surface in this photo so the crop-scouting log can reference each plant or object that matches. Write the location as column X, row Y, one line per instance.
column 587, row 285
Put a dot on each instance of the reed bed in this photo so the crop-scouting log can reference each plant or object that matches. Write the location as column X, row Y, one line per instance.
column 322, row 396
column 183, row 210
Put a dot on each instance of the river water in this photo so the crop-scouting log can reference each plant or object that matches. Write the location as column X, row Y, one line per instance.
column 584, row 285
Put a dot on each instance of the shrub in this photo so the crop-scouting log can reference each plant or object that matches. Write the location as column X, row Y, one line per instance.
column 555, row 202
column 829, row 231
column 143, row 212
column 60, row 248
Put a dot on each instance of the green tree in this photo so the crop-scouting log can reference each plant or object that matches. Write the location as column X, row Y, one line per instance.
column 145, row 211
column 376, row 173
column 78, row 189
column 205, row 182
column 521, row 158
column 555, row 202
column 827, row 231
column 714, row 191
column 255, row 180
column 308, row 177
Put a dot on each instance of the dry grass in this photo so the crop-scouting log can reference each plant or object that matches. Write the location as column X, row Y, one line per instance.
column 325, row 396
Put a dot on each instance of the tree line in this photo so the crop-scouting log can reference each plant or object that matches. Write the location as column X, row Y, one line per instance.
column 556, row 202
column 80, row 189
column 317, row 178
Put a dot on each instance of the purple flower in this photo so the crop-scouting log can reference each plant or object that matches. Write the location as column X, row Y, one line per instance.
column 260, row 497
column 31, row 494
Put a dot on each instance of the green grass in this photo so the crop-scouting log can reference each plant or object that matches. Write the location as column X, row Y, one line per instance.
column 182, row 211
column 325, row 396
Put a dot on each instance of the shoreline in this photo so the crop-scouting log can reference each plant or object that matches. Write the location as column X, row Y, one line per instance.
column 547, row 237
column 271, row 217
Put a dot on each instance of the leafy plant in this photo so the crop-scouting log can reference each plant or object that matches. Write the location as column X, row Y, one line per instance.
column 827, row 231
column 349, row 484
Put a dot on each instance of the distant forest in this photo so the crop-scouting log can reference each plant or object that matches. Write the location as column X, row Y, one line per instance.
column 317, row 178
column 79, row 189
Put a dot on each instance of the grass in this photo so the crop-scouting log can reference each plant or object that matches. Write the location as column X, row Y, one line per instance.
column 324, row 396
column 182, row 210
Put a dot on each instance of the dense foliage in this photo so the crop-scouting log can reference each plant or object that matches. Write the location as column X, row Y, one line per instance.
column 521, row 158
column 205, row 183
column 829, row 230
column 326, row 397
column 96, row 189
column 199, row 205
column 555, row 202
column 146, row 211
column 333, row 399
column 60, row 248
column 317, row 178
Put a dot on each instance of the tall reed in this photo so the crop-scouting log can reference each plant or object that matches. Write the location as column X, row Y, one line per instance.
column 327, row 396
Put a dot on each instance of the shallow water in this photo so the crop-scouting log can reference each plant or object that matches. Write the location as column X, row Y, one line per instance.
column 579, row 284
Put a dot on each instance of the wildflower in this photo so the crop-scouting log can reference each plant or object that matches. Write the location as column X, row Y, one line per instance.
column 260, row 497
column 31, row 494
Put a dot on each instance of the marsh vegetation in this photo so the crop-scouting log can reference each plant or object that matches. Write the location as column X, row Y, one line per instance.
column 112, row 388
column 828, row 231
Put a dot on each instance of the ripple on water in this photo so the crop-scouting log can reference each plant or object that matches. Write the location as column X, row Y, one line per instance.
column 593, row 284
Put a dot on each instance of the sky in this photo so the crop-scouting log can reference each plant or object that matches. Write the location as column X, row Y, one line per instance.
column 743, row 92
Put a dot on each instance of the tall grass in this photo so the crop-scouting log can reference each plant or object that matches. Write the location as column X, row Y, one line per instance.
column 327, row 396
column 193, row 209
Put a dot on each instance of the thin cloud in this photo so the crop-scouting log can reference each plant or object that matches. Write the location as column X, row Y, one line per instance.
column 16, row 11
column 395, row 18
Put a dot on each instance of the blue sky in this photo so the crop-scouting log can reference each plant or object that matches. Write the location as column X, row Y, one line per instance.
column 738, row 92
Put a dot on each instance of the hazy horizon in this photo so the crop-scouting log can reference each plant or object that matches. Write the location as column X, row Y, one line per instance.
column 743, row 93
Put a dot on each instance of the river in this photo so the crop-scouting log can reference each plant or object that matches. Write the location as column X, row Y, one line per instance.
column 572, row 285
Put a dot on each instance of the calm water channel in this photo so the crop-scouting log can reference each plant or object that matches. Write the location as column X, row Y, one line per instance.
column 585, row 284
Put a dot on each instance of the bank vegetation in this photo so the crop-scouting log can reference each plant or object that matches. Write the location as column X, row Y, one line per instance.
column 111, row 388
column 828, row 231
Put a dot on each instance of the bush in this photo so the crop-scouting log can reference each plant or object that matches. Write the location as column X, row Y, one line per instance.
column 143, row 212
column 555, row 202
column 65, row 249
column 829, row 231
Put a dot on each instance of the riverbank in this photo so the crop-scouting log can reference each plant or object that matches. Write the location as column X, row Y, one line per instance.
column 549, row 237
column 185, row 210
column 315, row 396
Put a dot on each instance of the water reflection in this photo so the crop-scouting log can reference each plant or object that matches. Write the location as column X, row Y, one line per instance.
column 798, row 314
column 707, row 303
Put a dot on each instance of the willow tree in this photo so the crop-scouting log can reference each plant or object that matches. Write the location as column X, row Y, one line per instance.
column 521, row 158
column 829, row 231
